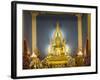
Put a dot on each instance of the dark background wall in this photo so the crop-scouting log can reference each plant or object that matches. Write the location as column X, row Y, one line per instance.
column 46, row 25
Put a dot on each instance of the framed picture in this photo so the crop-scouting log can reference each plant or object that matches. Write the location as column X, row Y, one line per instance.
column 53, row 39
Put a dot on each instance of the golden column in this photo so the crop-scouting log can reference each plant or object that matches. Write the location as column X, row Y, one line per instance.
column 79, row 16
column 88, row 45
column 34, row 43
column 79, row 59
column 89, row 32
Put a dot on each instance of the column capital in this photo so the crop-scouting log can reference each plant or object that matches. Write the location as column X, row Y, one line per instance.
column 78, row 15
column 34, row 13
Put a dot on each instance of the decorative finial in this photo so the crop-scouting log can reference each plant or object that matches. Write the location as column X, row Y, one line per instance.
column 57, row 26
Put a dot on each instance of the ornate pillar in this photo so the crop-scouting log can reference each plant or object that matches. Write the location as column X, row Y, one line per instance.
column 79, row 16
column 34, row 43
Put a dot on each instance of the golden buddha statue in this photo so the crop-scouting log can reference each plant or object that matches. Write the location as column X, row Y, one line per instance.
column 58, row 43
column 58, row 55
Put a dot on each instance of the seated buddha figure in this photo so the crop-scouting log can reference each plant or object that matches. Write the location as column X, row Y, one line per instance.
column 58, row 52
column 57, row 46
